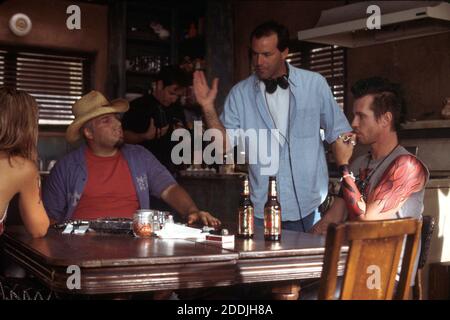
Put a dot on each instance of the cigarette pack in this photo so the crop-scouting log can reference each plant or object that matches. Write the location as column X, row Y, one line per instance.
column 220, row 238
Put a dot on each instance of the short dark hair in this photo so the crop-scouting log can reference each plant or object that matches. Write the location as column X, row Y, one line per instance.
column 174, row 75
column 387, row 97
column 272, row 27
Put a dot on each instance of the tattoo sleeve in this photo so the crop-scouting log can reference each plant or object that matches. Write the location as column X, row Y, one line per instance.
column 404, row 176
column 352, row 197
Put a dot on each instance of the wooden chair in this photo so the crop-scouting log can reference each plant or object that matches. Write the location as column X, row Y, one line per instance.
column 428, row 224
column 373, row 259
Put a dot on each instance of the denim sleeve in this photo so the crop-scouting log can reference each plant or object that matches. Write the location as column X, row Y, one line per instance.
column 53, row 194
column 159, row 178
column 332, row 119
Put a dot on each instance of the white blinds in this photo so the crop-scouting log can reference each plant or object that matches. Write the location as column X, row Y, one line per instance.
column 329, row 61
column 55, row 81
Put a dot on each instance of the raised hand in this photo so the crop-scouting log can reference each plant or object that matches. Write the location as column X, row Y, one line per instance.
column 204, row 95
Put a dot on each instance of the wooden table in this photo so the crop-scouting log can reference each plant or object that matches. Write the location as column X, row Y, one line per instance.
column 111, row 264
column 297, row 256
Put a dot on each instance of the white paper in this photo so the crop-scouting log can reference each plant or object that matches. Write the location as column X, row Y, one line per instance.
column 81, row 230
column 177, row 231
column 68, row 229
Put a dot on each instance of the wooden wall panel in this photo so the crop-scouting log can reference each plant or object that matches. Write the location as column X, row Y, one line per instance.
column 420, row 65
column 49, row 30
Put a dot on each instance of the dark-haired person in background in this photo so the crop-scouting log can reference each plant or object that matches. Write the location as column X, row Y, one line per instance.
column 152, row 118
column 296, row 102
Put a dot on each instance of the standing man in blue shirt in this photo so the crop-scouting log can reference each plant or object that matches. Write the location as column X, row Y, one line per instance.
column 293, row 102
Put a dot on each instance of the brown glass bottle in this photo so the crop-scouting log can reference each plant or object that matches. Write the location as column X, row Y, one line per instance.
column 246, row 213
column 272, row 213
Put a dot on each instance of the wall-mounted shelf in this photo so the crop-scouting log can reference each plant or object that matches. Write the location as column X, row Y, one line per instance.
column 146, row 53
column 426, row 124
column 141, row 73
column 147, row 37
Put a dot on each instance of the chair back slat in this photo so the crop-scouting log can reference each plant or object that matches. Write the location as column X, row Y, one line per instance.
column 409, row 257
column 375, row 249
column 333, row 246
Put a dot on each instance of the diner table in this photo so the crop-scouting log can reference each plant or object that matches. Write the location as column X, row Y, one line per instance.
column 123, row 264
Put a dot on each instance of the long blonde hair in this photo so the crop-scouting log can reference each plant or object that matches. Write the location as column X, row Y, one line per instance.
column 18, row 123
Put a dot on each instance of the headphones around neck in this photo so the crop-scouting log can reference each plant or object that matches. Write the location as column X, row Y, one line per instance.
column 272, row 84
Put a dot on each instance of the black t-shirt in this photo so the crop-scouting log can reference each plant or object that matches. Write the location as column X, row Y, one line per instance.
column 137, row 119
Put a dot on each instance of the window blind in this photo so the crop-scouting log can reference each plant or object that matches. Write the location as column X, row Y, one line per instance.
column 55, row 81
column 327, row 60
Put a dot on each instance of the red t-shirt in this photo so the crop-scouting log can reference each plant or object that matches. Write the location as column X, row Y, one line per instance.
column 109, row 190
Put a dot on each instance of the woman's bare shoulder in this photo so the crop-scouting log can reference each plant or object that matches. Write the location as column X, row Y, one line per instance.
column 16, row 172
column 22, row 167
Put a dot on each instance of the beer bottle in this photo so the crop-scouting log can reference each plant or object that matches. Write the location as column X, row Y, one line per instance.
column 246, row 213
column 272, row 213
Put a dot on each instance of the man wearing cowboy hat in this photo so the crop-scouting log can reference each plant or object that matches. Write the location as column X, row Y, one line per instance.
column 107, row 178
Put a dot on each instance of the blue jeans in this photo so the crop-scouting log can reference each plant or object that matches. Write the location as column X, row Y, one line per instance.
column 303, row 225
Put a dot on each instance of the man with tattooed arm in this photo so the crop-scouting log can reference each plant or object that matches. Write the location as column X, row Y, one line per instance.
column 388, row 182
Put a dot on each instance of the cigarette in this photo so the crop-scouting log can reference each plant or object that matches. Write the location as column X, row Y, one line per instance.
column 347, row 139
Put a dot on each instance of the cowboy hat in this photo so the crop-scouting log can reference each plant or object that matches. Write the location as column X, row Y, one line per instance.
column 90, row 106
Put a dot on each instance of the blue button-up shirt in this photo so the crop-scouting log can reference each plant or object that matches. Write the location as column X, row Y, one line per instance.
column 302, row 173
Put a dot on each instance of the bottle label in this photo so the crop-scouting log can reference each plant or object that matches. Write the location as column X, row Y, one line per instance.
column 246, row 221
column 272, row 221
